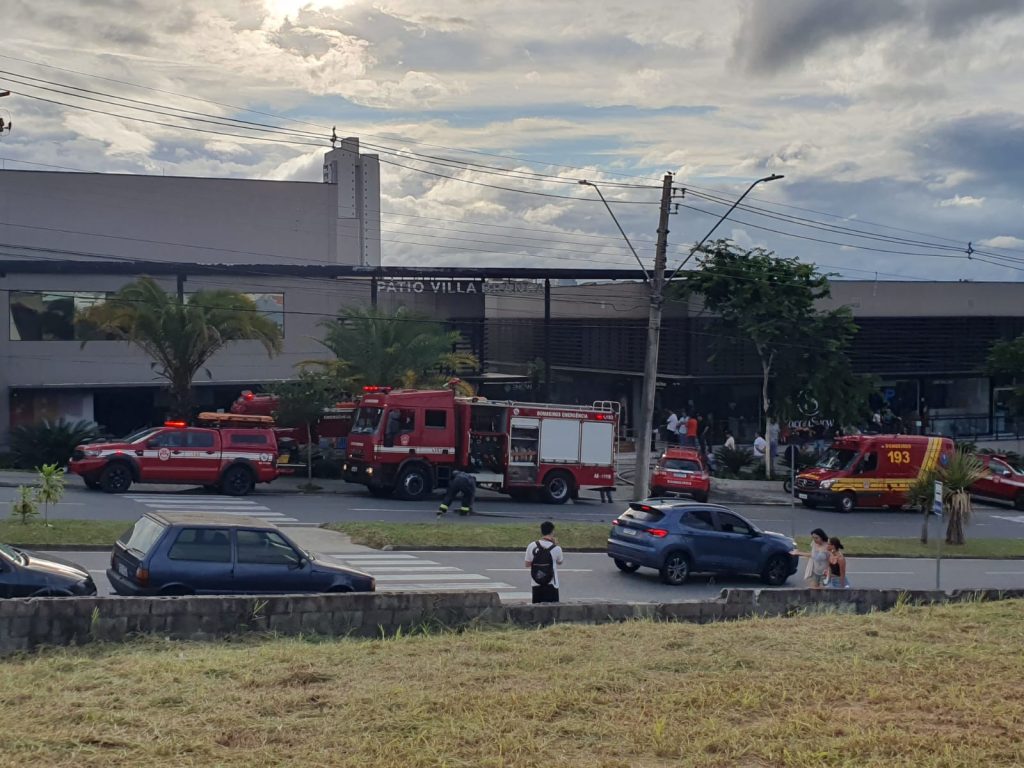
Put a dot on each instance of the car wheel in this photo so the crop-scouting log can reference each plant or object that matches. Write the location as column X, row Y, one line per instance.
column 626, row 566
column 413, row 484
column 787, row 486
column 847, row 502
column 92, row 483
column 1019, row 501
column 237, row 481
column 776, row 571
column 676, row 569
column 557, row 488
column 380, row 493
column 116, row 478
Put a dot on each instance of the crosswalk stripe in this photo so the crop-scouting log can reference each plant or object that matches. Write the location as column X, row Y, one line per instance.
column 490, row 586
column 431, row 577
column 374, row 556
column 189, row 499
column 411, row 569
column 372, row 563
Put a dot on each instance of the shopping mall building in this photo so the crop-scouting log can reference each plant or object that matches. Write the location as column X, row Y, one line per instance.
column 305, row 250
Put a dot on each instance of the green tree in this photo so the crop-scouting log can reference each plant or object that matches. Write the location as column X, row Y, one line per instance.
column 301, row 402
column 181, row 337
column 397, row 349
column 771, row 301
column 25, row 506
column 49, row 487
column 1006, row 358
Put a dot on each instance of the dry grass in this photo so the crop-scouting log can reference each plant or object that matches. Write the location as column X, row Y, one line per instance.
column 935, row 686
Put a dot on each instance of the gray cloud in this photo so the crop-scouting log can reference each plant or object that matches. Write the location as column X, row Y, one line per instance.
column 983, row 146
column 777, row 34
column 948, row 18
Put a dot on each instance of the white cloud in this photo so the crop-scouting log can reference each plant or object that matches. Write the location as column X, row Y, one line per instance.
column 961, row 201
column 1003, row 241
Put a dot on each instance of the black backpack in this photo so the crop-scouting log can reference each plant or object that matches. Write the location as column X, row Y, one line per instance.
column 542, row 567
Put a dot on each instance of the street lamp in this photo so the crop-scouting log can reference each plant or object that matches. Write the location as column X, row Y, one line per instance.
column 656, row 282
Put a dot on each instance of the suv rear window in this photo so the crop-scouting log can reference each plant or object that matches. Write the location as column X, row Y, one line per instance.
column 141, row 537
column 645, row 515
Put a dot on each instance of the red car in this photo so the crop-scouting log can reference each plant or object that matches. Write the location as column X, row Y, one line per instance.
column 681, row 470
column 1002, row 481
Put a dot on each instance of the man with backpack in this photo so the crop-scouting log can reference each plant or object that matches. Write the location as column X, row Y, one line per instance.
column 543, row 558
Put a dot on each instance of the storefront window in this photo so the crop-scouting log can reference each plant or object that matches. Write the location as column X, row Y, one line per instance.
column 52, row 316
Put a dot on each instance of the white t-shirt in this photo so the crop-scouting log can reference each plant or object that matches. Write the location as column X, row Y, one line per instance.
column 673, row 422
column 556, row 558
column 759, row 446
column 730, row 442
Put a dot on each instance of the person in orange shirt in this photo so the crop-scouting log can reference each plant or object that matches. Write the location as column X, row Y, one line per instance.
column 691, row 431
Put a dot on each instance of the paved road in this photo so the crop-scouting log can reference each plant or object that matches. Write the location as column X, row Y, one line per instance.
column 358, row 505
column 594, row 577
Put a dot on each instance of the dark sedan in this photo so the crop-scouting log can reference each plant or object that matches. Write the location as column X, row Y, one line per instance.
column 188, row 554
column 678, row 538
column 29, row 574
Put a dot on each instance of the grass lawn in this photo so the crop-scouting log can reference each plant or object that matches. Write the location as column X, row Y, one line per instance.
column 934, row 686
column 455, row 533
column 62, row 532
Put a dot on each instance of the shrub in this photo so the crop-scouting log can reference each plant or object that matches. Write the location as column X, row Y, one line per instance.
column 734, row 459
column 49, row 443
column 25, row 506
column 959, row 474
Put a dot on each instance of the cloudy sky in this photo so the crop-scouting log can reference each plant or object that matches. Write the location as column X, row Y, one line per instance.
column 898, row 124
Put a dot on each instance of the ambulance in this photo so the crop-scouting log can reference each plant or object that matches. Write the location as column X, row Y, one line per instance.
column 870, row 471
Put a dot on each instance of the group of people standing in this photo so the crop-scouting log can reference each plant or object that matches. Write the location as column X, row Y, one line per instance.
column 691, row 431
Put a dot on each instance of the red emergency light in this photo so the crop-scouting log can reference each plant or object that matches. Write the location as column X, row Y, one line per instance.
column 175, row 424
column 248, row 395
column 375, row 388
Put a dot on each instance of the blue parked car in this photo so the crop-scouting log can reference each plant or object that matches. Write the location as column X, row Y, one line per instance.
column 189, row 553
column 678, row 538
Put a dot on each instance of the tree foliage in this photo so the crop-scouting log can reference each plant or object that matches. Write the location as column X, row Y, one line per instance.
column 771, row 302
column 301, row 402
column 397, row 349
column 49, row 487
column 181, row 337
column 1006, row 358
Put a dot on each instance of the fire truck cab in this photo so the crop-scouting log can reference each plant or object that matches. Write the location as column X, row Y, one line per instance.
column 408, row 442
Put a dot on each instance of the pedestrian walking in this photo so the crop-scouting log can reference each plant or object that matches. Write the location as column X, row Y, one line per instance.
column 704, row 434
column 461, row 484
column 817, row 568
column 836, row 565
column 691, row 431
column 542, row 559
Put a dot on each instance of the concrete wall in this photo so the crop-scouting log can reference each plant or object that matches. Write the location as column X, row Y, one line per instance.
column 29, row 623
column 180, row 219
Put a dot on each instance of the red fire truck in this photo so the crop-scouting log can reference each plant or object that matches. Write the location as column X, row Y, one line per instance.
column 333, row 425
column 408, row 442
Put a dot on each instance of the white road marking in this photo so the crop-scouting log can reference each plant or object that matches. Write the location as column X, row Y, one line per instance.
column 413, row 569
column 523, row 570
column 373, row 556
column 1011, row 518
column 1004, row 573
column 432, row 577
column 215, row 505
column 883, row 573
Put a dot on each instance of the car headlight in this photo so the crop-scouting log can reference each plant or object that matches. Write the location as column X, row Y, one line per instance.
column 91, row 454
column 826, row 484
column 369, row 470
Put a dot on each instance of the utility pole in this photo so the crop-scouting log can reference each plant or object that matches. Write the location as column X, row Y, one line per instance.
column 656, row 285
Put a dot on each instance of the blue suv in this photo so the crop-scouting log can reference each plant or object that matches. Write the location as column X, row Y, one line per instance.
column 678, row 538
column 172, row 553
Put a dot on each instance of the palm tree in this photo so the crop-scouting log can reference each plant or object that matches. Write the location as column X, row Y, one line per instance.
column 181, row 336
column 961, row 472
column 397, row 349
column 920, row 496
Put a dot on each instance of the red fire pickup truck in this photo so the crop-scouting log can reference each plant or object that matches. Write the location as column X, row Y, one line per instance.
column 227, row 452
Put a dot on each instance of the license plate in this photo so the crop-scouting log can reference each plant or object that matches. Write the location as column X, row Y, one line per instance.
column 122, row 569
column 802, row 496
column 283, row 459
column 628, row 532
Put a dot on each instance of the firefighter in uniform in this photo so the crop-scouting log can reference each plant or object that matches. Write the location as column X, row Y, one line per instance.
column 461, row 483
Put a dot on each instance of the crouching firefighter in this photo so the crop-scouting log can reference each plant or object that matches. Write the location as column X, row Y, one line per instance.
column 461, row 484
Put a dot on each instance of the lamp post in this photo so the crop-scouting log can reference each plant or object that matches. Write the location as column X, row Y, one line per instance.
column 656, row 282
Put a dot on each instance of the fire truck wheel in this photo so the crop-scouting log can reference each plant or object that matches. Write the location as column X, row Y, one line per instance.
column 557, row 488
column 237, row 481
column 413, row 484
column 847, row 502
column 116, row 477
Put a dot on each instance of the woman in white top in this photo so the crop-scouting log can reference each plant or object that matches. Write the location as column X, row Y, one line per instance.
column 816, row 571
